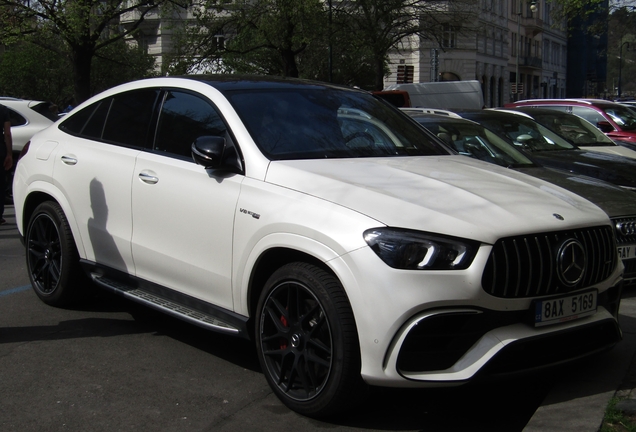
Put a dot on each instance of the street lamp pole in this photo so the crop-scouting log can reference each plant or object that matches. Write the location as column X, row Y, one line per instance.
column 518, row 48
column 620, row 66
column 330, row 44
column 533, row 8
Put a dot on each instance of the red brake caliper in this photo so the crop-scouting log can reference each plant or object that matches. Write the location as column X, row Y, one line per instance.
column 283, row 342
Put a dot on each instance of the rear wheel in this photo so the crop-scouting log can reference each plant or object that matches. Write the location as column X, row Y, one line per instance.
column 307, row 341
column 52, row 258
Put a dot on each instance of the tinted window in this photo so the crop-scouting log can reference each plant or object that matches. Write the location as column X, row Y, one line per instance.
column 129, row 117
column 47, row 109
column 74, row 124
column 122, row 119
column 16, row 119
column 183, row 118
column 94, row 127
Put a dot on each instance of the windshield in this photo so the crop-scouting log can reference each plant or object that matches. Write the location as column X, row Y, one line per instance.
column 474, row 140
column 624, row 117
column 574, row 128
column 318, row 123
column 523, row 132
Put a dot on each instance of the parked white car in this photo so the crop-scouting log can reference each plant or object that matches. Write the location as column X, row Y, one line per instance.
column 284, row 211
column 27, row 118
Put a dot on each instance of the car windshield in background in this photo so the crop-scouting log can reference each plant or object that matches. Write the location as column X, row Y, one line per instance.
column 319, row 123
column 623, row 116
column 573, row 128
column 474, row 140
column 525, row 133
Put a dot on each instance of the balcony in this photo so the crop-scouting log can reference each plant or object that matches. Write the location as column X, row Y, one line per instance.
column 533, row 25
column 531, row 62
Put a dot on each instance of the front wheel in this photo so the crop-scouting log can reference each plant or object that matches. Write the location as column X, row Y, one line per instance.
column 51, row 255
column 307, row 341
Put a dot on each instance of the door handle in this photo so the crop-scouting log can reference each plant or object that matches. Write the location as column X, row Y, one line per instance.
column 68, row 160
column 147, row 178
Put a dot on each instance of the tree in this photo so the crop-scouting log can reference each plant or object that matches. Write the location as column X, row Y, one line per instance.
column 29, row 71
column 263, row 36
column 384, row 25
column 297, row 37
column 75, row 30
column 621, row 46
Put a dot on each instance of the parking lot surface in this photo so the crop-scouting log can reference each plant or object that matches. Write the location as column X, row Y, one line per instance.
column 116, row 366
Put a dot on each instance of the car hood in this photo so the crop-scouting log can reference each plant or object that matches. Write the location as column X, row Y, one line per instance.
column 614, row 169
column 613, row 200
column 611, row 149
column 452, row 195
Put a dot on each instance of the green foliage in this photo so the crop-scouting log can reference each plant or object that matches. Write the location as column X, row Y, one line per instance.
column 29, row 71
column 74, row 29
column 622, row 32
column 296, row 37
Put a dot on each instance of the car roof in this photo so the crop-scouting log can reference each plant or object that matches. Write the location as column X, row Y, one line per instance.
column 530, row 110
column 588, row 102
column 440, row 118
column 226, row 82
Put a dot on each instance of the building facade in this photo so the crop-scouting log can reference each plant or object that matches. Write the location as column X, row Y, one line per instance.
column 513, row 50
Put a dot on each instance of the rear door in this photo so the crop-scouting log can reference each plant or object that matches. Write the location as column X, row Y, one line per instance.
column 94, row 167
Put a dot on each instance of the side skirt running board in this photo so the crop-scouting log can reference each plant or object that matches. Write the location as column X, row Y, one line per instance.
column 172, row 303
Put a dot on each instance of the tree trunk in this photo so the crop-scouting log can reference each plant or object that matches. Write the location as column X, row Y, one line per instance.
column 82, row 74
column 290, row 68
column 379, row 73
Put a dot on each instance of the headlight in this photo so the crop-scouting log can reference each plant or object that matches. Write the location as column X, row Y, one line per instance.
column 417, row 250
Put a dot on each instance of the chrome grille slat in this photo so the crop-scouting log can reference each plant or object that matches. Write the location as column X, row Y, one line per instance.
column 518, row 255
column 507, row 268
column 529, row 253
column 525, row 266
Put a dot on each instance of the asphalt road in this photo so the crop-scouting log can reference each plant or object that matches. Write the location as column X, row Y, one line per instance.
column 116, row 366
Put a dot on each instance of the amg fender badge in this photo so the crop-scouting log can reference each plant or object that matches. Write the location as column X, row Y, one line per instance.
column 251, row 213
column 558, row 216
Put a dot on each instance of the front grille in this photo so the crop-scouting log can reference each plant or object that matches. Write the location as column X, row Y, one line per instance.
column 526, row 266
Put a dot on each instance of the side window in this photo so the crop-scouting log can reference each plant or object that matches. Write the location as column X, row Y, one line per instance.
column 124, row 119
column 16, row 119
column 74, row 123
column 129, row 117
column 183, row 118
column 588, row 114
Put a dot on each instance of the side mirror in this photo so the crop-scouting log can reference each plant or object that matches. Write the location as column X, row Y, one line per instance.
column 605, row 126
column 212, row 152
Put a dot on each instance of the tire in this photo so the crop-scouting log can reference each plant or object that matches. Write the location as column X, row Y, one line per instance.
column 307, row 341
column 51, row 255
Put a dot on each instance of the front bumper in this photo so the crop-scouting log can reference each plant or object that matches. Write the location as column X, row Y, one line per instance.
column 451, row 346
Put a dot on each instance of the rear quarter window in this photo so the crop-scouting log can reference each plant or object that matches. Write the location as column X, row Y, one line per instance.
column 125, row 119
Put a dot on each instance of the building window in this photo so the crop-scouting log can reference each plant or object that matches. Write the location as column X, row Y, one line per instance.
column 405, row 74
column 450, row 35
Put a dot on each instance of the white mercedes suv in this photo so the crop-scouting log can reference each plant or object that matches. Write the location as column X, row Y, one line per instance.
column 344, row 239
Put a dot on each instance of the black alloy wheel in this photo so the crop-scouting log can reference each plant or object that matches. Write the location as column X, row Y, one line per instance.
column 307, row 341
column 52, row 258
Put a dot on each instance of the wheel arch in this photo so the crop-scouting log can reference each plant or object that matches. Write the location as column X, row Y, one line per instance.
column 266, row 264
column 37, row 197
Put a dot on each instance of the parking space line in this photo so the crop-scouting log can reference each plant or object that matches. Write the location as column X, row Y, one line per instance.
column 14, row 290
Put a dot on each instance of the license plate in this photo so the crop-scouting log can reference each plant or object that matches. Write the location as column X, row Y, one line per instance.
column 566, row 308
column 627, row 252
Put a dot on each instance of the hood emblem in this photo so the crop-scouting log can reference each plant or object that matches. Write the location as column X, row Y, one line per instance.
column 571, row 262
column 558, row 216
